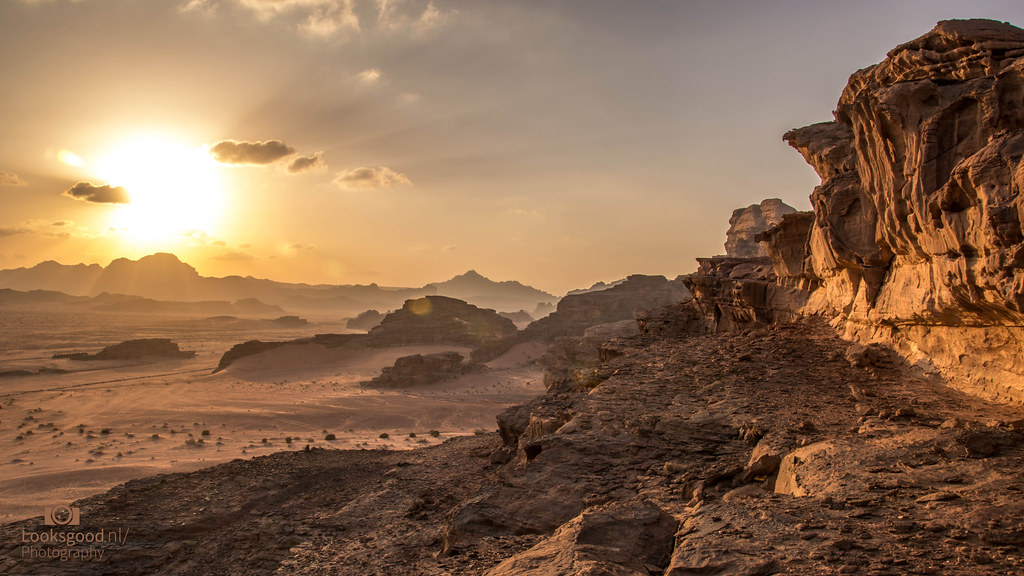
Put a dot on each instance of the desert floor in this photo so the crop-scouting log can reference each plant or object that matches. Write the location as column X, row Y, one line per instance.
column 67, row 436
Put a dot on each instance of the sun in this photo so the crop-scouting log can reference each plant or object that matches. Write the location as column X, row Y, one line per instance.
column 175, row 190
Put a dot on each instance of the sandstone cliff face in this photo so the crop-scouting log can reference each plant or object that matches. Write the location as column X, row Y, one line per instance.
column 746, row 223
column 915, row 238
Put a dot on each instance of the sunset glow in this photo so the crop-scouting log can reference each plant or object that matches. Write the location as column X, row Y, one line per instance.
column 174, row 189
column 399, row 142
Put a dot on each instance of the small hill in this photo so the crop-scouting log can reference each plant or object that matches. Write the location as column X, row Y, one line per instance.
column 439, row 319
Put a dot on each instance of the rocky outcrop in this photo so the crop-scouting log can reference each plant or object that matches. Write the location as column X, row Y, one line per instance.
column 439, row 319
column 420, row 370
column 746, row 223
column 365, row 320
column 253, row 347
column 615, row 538
column 141, row 349
column 623, row 301
column 915, row 238
column 428, row 320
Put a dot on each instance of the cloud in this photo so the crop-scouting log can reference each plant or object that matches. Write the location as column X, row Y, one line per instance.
column 233, row 256
column 370, row 178
column 59, row 229
column 307, row 163
column 403, row 15
column 370, row 75
column 330, row 18
column 290, row 249
column 240, row 152
column 105, row 194
column 10, row 179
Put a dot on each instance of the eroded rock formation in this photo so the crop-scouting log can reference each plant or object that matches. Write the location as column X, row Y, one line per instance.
column 915, row 239
column 420, row 370
column 623, row 301
column 746, row 223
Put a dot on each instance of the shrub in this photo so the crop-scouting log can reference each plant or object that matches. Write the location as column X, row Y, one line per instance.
column 330, row 437
column 435, row 433
column 384, row 435
column 205, row 433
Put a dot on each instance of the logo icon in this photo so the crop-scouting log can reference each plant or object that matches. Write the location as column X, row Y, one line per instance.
column 62, row 515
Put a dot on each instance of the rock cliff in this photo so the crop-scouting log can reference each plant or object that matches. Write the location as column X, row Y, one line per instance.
column 915, row 238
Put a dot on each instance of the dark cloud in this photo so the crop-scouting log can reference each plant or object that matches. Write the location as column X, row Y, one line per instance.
column 370, row 178
column 105, row 194
column 307, row 163
column 10, row 179
column 236, row 152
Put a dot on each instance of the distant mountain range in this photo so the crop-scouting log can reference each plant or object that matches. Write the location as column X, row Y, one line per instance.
column 164, row 277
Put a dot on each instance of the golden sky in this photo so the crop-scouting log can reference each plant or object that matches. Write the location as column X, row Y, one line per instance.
column 404, row 142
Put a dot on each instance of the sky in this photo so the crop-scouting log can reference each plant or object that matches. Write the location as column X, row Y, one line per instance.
column 558, row 143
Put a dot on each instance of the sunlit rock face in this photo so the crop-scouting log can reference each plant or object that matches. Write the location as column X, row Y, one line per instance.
column 916, row 237
column 746, row 223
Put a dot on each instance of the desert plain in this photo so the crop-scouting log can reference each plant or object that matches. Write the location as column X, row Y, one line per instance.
column 75, row 428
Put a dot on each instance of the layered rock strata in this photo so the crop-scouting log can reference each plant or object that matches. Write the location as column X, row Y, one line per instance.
column 915, row 239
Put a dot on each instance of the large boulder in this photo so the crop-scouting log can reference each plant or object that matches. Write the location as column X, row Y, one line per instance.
column 420, row 370
column 621, row 539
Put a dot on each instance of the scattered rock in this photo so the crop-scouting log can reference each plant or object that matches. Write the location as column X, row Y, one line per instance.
column 420, row 370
